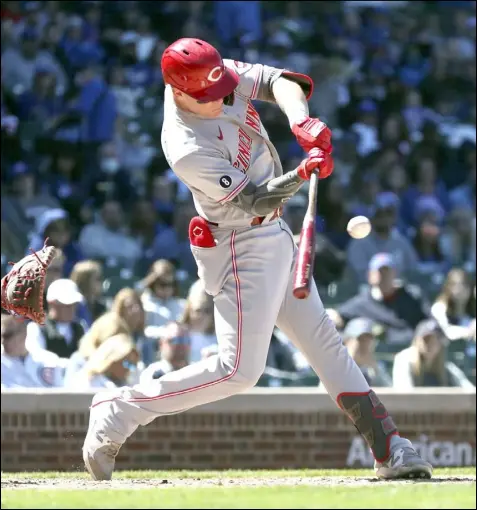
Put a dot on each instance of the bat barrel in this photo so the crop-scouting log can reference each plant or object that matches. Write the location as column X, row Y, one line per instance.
column 306, row 247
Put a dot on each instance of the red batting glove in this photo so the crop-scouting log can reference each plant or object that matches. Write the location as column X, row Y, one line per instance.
column 317, row 159
column 311, row 133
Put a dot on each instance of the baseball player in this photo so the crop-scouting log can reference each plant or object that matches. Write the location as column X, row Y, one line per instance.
column 217, row 145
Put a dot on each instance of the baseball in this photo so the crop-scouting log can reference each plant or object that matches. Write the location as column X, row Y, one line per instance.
column 359, row 227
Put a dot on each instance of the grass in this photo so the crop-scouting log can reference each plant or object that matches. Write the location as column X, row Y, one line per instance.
column 336, row 495
column 227, row 473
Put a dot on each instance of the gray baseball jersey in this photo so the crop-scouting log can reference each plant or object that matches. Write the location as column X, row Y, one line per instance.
column 216, row 158
column 249, row 272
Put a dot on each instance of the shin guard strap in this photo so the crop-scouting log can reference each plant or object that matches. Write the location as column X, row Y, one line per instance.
column 371, row 419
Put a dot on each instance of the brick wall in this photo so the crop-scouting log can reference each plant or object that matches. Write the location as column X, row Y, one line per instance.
column 45, row 431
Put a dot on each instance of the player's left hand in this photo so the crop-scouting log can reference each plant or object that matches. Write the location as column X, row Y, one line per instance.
column 313, row 133
column 317, row 159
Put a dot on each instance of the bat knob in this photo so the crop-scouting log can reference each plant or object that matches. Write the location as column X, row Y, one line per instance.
column 301, row 293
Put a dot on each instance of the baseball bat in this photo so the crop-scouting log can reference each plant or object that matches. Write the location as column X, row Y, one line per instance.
column 306, row 245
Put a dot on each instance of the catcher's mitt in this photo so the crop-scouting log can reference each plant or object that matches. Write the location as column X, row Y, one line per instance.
column 22, row 288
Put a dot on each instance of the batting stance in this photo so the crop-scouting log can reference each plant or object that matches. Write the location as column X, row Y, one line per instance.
column 215, row 142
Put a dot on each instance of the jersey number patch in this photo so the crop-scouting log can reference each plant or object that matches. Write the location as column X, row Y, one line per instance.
column 225, row 181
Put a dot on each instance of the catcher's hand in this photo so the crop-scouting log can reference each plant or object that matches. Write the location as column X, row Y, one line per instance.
column 22, row 288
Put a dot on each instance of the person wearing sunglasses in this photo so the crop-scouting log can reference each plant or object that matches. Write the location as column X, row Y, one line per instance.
column 160, row 298
column 22, row 368
column 174, row 352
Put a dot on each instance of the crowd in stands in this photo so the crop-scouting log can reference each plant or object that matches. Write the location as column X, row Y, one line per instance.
column 82, row 165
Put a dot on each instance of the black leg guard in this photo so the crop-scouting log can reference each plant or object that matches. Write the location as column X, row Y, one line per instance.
column 371, row 419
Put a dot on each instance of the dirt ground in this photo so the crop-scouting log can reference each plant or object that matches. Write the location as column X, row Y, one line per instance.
column 129, row 484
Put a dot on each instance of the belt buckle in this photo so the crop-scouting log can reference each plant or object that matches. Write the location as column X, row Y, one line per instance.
column 258, row 220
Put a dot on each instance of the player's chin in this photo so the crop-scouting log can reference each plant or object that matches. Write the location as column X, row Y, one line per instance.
column 212, row 114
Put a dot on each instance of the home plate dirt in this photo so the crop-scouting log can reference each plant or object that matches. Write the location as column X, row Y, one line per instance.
column 129, row 484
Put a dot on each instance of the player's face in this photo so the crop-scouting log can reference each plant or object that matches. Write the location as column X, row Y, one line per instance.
column 208, row 110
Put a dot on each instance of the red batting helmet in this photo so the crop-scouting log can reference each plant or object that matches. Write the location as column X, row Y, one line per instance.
column 196, row 68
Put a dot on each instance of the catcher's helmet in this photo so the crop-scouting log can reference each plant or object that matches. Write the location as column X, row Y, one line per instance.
column 196, row 68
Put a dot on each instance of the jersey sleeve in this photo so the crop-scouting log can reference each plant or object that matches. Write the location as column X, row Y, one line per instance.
column 256, row 80
column 212, row 175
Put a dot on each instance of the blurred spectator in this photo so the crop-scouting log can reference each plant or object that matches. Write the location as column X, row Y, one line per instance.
column 94, row 110
column 41, row 102
column 174, row 352
column 198, row 319
column 384, row 238
column 396, row 307
column 88, row 276
column 31, row 194
column 464, row 195
column 135, row 149
column 109, row 366
column 426, row 185
column 160, row 297
column 19, row 65
column 359, row 338
column 108, row 237
column 65, row 181
column 127, row 97
column 156, row 238
column 25, row 368
column 56, row 270
column 146, row 38
column 54, row 225
column 236, row 22
column 286, row 365
column 125, row 317
column 458, row 239
column 426, row 240
column 111, row 180
column 454, row 307
column 367, row 189
column 366, row 127
column 61, row 332
column 396, row 179
column 77, row 49
column 424, row 363
column 335, row 213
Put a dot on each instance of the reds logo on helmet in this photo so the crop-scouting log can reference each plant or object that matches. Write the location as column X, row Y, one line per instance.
column 215, row 74
column 196, row 68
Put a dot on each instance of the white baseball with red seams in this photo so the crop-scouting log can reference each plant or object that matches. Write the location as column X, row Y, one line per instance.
column 359, row 227
column 249, row 271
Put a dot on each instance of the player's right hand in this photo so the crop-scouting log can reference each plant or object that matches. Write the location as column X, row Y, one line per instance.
column 317, row 159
